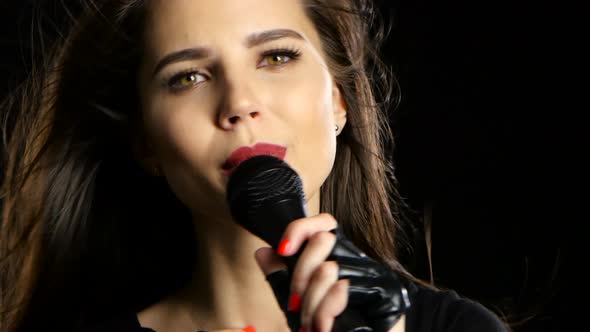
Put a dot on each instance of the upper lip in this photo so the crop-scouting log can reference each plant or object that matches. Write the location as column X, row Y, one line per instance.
column 245, row 152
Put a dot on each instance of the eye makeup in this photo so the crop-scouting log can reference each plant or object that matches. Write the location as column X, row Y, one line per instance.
column 280, row 57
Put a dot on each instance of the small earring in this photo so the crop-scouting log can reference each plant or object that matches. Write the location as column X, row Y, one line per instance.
column 337, row 127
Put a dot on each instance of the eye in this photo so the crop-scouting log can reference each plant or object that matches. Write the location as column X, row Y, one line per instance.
column 185, row 80
column 278, row 57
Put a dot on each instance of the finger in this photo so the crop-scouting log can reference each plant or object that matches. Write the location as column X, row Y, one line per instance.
column 315, row 253
column 332, row 305
column 301, row 229
column 324, row 277
column 268, row 260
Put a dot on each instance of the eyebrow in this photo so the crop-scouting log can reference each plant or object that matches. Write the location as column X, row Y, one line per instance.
column 196, row 53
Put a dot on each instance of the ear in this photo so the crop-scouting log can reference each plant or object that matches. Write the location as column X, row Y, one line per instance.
column 340, row 107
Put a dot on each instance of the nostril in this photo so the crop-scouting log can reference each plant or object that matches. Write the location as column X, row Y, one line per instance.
column 254, row 114
column 233, row 119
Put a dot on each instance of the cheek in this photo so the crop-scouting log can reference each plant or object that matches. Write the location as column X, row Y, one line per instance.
column 306, row 100
column 313, row 115
column 174, row 123
column 182, row 139
column 310, row 121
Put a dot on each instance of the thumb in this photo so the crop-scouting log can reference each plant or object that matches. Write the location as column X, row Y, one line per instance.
column 269, row 261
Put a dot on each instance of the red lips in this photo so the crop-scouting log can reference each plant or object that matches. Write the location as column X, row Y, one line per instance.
column 246, row 152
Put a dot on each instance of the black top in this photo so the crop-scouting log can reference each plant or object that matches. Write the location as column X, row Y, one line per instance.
column 431, row 311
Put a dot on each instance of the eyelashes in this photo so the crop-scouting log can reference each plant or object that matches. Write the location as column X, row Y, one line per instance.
column 274, row 58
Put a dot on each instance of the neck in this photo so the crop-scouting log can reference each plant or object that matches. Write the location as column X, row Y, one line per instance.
column 228, row 288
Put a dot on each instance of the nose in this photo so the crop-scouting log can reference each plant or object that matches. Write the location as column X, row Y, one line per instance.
column 239, row 105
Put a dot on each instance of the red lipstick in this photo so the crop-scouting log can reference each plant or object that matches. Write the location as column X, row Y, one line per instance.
column 245, row 152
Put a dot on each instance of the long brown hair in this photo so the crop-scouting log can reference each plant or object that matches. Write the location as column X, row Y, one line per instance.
column 74, row 195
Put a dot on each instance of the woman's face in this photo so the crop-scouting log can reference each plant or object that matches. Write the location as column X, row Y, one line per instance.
column 248, row 72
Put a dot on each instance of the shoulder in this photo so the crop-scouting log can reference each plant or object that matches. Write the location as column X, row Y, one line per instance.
column 433, row 310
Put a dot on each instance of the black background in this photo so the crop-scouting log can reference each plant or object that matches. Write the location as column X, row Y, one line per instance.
column 474, row 144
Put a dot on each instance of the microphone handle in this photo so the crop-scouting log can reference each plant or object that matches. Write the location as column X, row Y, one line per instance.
column 270, row 224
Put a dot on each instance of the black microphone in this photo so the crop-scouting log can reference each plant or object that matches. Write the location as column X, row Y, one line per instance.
column 264, row 195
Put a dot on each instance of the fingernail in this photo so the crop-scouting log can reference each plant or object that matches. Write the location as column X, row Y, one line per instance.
column 294, row 302
column 284, row 247
column 250, row 329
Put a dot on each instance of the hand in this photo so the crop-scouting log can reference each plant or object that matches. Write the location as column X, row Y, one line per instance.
column 330, row 275
column 312, row 291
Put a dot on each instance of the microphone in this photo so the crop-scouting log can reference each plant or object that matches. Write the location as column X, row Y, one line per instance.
column 264, row 195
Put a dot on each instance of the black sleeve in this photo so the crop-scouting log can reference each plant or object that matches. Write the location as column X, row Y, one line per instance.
column 446, row 311
column 471, row 316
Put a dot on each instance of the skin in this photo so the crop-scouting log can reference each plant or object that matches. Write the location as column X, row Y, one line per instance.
column 236, row 96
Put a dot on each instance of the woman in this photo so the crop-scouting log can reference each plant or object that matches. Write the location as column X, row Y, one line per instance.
column 115, row 215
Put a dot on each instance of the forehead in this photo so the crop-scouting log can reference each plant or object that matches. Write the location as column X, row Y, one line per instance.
column 173, row 24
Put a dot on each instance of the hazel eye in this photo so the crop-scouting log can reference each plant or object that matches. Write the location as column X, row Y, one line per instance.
column 277, row 59
column 186, row 80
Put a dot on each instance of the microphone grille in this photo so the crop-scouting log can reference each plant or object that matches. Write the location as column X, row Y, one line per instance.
column 259, row 180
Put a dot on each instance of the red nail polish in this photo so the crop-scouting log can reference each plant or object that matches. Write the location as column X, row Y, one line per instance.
column 283, row 247
column 250, row 329
column 294, row 302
